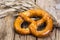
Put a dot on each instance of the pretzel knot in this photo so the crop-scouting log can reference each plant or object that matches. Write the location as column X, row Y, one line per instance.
column 34, row 23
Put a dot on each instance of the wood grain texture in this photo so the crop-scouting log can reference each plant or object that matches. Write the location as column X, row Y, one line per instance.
column 49, row 6
column 7, row 29
column 58, row 34
column 2, row 29
column 31, row 37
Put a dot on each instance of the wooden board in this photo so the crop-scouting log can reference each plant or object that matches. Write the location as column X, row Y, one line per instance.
column 7, row 29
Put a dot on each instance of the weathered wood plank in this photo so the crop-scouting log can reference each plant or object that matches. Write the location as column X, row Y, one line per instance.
column 17, row 36
column 24, row 37
column 48, row 6
column 30, row 37
column 52, row 36
column 9, row 28
column 58, row 17
column 2, row 29
column 6, row 24
column 6, row 28
column 57, row 34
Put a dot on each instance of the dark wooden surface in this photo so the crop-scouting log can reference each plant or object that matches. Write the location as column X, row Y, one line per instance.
column 6, row 25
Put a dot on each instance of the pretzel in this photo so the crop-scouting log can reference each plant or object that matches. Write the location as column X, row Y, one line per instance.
column 32, row 28
column 17, row 26
column 45, row 18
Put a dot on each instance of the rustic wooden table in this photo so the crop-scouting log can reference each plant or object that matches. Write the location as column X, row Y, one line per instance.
column 6, row 24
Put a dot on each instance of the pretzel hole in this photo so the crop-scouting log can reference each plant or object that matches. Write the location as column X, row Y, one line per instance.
column 25, row 24
column 42, row 26
column 36, row 17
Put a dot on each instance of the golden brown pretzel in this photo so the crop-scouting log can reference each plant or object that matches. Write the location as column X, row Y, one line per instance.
column 32, row 28
column 17, row 26
column 45, row 18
